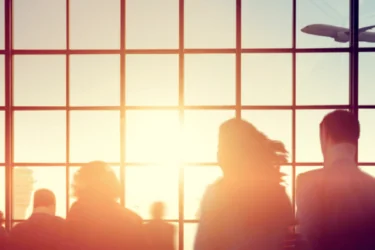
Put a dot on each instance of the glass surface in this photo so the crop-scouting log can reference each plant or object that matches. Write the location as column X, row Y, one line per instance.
column 2, row 25
column 196, row 180
column 2, row 136
column 266, row 79
column 95, row 80
column 26, row 180
column 95, row 24
column 370, row 170
column 275, row 124
column 308, row 135
column 327, row 12
column 275, row 18
column 366, row 140
column 210, row 24
column 210, row 79
column 152, row 136
column 322, row 79
column 366, row 87
column 152, row 24
column 366, row 18
column 39, row 24
column 94, row 135
column 145, row 185
column 2, row 80
column 201, row 131
column 39, row 136
column 151, row 80
column 39, row 80
column 190, row 230
column 2, row 189
column 72, row 172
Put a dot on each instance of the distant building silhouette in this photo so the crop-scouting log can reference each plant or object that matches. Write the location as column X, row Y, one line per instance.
column 23, row 186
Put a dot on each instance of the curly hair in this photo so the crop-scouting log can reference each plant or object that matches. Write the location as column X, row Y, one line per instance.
column 96, row 179
column 241, row 144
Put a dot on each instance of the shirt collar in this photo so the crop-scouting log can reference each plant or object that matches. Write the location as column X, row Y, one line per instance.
column 342, row 152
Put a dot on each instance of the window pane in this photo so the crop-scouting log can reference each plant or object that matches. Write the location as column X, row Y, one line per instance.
column 72, row 172
column 366, row 140
column 2, row 189
column 310, row 17
column 366, row 18
column 39, row 80
column 145, row 185
column 2, row 136
column 2, row 81
column 265, row 121
column 366, row 78
column 276, row 19
column 95, row 80
column 287, row 180
column 259, row 87
column 39, row 24
column 201, row 131
column 323, row 79
column 152, row 136
column 151, row 80
column 29, row 179
column 95, row 135
column 210, row 79
column 39, row 136
column 210, row 27
column 190, row 230
column 308, row 135
column 2, row 25
column 370, row 170
column 95, row 24
column 197, row 179
column 152, row 24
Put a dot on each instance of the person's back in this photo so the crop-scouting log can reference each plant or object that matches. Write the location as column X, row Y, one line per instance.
column 248, row 208
column 42, row 230
column 336, row 204
column 96, row 221
column 159, row 233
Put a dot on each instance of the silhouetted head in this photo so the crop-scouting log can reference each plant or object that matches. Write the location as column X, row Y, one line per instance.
column 339, row 126
column 157, row 210
column 44, row 200
column 96, row 180
column 244, row 151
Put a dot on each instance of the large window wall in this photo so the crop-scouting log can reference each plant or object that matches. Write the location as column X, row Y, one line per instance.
column 144, row 85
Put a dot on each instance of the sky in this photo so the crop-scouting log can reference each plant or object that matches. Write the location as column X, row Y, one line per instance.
column 152, row 80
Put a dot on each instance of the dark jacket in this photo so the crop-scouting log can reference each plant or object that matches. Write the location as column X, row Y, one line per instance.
column 160, row 235
column 40, row 232
column 101, row 225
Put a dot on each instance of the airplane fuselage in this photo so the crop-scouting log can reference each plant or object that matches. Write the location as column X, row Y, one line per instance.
column 340, row 34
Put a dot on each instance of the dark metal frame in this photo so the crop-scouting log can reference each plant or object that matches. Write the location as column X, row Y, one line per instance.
column 353, row 50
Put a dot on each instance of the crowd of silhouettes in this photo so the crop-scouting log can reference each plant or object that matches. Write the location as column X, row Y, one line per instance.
column 246, row 209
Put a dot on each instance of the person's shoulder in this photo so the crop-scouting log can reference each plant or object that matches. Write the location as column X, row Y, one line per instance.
column 310, row 176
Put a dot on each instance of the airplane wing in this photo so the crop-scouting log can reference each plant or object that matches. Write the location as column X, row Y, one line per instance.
column 363, row 29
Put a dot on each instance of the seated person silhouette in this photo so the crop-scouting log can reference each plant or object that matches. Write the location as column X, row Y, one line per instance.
column 42, row 230
column 96, row 220
column 336, row 204
column 248, row 207
column 160, row 234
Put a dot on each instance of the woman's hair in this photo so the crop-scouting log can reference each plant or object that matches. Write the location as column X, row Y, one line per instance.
column 96, row 179
column 242, row 145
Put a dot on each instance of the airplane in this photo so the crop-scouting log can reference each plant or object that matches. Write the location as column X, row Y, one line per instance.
column 339, row 34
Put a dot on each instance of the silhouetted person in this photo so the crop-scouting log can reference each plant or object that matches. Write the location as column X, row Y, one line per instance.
column 336, row 204
column 42, row 230
column 248, row 208
column 96, row 220
column 3, row 232
column 160, row 234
